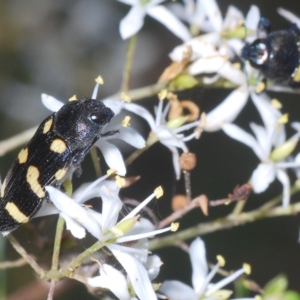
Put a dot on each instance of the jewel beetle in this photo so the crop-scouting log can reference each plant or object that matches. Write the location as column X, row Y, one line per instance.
column 55, row 151
column 275, row 54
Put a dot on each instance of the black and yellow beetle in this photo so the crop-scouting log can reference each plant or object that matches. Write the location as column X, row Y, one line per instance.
column 52, row 155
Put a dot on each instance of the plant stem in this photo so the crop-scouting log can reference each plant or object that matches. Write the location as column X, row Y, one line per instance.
column 40, row 271
column 128, row 64
column 224, row 223
column 87, row 253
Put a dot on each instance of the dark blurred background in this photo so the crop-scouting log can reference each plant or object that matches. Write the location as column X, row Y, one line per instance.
column 59, row 47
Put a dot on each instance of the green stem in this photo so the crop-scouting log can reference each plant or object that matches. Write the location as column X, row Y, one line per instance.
column 87, row 253
column 41, row 272
column 128, row 64
column 57, row 243
column 265, row 211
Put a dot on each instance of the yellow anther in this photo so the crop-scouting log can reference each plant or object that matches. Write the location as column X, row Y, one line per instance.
column 221, row 260
column 158, row 192
column 99, row 80
column 174, row 227
column 73, row 98
column 111, row 171
column 120, row 182
column 260, row 87
column 125, row 97
column 126, row 121
column 283, row 119
column 276, row 104
column 247, row 268
column 162, row 94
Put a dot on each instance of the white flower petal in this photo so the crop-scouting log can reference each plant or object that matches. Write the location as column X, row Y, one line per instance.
column 137, row 274
column 177, row 290
column 227, row 111
column 132, row 22
column 74, row 210
column 115, row 105
column 213, row 13
column 233, row 18
column 47, row 210
column 285, row 181
column 262, row 176
column 252, row 18
column 202, row 47
column 51, row 103
column 289, row 16
column 76, row 229
column 111, row 206
column 244, row 137
column 132, row 137
column 112, row 279
column 232, row 74
column 152, row 266
column 142, row 112
column 164, row 16
column 199, row 264
column 261, row 137
column 112, row 156
column 206, row 65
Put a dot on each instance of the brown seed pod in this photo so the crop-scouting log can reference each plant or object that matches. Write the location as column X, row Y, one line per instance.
column 187, row 161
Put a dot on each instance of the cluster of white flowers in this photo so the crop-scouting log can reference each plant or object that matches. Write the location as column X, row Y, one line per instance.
column 213, row 52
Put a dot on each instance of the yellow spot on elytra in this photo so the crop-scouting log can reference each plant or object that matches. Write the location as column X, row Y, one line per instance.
column 23, row 155
column 99, row 80
column 15, row 213
column 73, row 98
column 3, row 186
column 32, row 177
column 162, row 94
column 260, row 87
column 296, row 75
column 60, row 174
column 58, row 146
column 276, row 104
column 125, row 97
column 126, row 121
column 47, row 126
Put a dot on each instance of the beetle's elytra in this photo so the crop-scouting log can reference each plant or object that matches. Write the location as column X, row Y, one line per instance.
column 54, row 152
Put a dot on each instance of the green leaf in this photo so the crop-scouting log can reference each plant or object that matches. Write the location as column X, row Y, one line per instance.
column 291, row 295
column 276, row 286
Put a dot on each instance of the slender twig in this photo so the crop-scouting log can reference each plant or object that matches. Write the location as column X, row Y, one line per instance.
column 224, row 223
column 13, row 264
column 128, row 64
column 87, row 253
column 40, row 271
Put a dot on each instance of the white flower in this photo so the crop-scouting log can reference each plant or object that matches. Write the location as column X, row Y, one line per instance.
column 111, row 153
column 202, row 288
column 127, row 239
column 165, row 132
column 273, row 161
column 134, row 20
column 211, row 52
column 114, row 280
